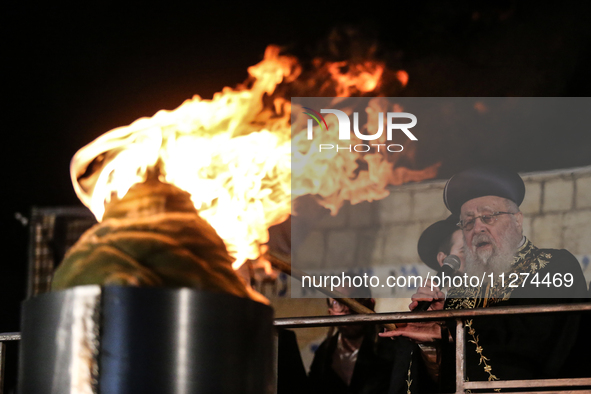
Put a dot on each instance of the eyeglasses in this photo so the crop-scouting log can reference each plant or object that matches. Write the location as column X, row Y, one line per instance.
column 468, row 224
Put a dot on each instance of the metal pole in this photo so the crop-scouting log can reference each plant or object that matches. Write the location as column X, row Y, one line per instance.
column 326, row 321
column 2, row 358
column 460, row 356
column 570, row 382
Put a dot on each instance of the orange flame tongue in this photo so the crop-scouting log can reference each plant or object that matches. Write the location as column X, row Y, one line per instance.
column 232, row 154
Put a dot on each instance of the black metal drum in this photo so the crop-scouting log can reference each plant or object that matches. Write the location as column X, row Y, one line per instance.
column 121, row 340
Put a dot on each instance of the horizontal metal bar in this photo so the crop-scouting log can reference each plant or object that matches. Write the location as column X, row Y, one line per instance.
column 326, row 321
column 10, row 336
column 397, row 317
column 568, row 391
column 528, row 383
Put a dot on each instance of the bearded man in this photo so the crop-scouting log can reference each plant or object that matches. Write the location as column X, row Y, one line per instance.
column 512, row 271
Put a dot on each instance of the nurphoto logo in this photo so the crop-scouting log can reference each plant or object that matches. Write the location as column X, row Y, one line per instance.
column 344, row 131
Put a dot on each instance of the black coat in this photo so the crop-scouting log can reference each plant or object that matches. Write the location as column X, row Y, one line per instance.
column 372, row 369
column 532, row 346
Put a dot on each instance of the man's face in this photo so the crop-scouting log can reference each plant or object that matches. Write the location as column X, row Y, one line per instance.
column 335, row 308
column 491, row 244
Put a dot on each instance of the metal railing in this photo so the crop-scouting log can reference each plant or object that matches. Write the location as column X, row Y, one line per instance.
column 570, row 385
column 5, row 337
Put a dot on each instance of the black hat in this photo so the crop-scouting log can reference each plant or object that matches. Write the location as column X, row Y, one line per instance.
column 480, row 182
column 432, row 237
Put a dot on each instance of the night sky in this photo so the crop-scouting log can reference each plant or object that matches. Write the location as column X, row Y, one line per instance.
column 75, row 74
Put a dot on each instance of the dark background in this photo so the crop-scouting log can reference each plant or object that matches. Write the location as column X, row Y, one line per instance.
column 73, row 74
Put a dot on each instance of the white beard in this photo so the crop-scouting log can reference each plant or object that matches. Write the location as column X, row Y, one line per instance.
column 497, row 259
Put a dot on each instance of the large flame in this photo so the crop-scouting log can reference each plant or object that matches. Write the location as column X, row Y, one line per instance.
column 233, row 154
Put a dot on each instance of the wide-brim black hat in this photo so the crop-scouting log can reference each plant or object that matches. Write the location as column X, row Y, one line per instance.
column 432, row 237
column 480, row 182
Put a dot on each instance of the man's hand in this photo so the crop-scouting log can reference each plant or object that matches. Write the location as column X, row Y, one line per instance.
column 419, row 332
column 425, row 331
column 425, row 293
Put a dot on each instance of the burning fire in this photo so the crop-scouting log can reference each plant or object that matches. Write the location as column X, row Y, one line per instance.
column 233, row 153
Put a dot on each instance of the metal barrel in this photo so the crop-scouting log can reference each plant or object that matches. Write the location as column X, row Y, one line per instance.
column 121, row 340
